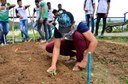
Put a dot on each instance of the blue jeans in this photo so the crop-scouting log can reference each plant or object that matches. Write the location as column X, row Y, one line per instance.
column 24, row 28
column 4, row 28
column 50, row 30
column 88, row 17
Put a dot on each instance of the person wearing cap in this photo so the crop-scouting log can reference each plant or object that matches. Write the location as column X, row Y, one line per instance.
column 66, row 40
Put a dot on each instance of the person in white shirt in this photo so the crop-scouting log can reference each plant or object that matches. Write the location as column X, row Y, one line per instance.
column 102, row 12
column 60, row 9
column 50, row 20
column 21, row 13
column 35, row 12
column 89, row 8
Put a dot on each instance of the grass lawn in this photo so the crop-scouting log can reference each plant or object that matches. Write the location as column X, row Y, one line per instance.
column 115, row 39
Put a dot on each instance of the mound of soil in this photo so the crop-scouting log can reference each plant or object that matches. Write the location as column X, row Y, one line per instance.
column 26, row 63
column 115, row 57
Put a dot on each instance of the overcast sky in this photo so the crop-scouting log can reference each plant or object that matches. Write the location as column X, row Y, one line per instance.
column 117, row 9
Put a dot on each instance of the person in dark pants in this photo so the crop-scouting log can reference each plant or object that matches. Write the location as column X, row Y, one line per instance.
column 102, row 12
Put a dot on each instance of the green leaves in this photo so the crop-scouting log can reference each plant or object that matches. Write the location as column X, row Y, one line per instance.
column 53, row 73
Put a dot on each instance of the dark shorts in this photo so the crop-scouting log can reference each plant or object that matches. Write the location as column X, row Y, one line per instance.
column 82, row 27
column 57, row 34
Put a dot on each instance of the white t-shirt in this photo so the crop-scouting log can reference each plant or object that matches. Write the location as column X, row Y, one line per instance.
column 50, row 15
column 102, row 6
column 36, row 10
column 89, row 6
column 22, row 12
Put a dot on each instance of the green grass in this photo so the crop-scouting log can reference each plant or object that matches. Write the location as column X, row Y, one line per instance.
column 115, row 39
column 126, row 29
column 126, row 81
column 19, row 35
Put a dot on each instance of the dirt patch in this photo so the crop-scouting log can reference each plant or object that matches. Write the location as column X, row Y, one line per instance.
column 114, row 56
column 27, row 63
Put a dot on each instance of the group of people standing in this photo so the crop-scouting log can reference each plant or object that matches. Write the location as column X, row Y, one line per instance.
column 101, row 12
column 44, row 19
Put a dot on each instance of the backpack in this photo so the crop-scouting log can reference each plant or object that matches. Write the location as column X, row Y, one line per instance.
column 65, row 19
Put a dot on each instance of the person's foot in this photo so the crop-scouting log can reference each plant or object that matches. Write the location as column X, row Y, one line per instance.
column 42, row 41
column 83, row 64
column 29, row 39
column 76, row 67
column 70, row 60
column 2, row 44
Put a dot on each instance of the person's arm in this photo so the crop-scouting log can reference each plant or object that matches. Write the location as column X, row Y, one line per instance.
column 26, row 6
column 12, row 6
column 108, row 7
column 73, row 24
column 92, row 46
column 84, row 5
column 56, row 53
column 18, row 15
column 42, row 14
column 51, row 23
column 94, row 8
column 2, row 7
column 33, row 14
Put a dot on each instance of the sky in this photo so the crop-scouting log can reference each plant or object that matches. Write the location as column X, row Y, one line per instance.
column 117, row 7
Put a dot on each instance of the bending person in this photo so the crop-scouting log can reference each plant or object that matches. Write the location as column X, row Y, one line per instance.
column 83, row 40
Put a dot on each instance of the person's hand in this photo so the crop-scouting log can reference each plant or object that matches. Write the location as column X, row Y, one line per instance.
column 96, row 14
column 92, row 15
column 28, row 5
column 21, row 17
column 83, row 64
column 72, row 27
column 85, row 10
column 50, row 24
column 32, row 19
column 3, row 7
column 41, row 20
column 106, row 15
